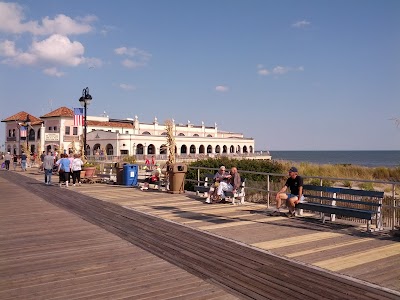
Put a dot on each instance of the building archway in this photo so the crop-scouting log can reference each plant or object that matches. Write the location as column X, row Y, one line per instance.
column 209, row 149
column 251, row 149
column 31, row 136
column 224, row 149
column 217, row 149
column 192, row 149
column 183, row 149
column 96, row 149
column 139, row 149
column 181, row 134
column 109, row 149
column 146, row 133
column 202, row 149
column 38, row 134
column 151, row 149
column 244, row 149
column 163, row 149
column 231, row 149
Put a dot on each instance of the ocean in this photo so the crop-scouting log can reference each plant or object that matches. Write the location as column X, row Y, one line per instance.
column 362, row 158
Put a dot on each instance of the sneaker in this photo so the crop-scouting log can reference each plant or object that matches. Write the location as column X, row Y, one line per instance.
column 276, row 213
column 291, row 215
column 80, row 183
column 208, row 200
column 60, row 185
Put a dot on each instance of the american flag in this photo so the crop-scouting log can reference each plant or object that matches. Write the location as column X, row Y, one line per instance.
column 78, row 116
column 22, row 131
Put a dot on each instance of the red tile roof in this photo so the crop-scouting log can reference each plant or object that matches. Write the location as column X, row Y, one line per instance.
column 21, row 117
column 60, row 112
column 109, row 124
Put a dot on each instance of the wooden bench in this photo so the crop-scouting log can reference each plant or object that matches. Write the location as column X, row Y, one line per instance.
column 334, row 201
column 205, row 185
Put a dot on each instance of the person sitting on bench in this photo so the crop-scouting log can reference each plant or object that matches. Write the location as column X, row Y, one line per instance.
column 230, row 183
column 295, row 183
column 154, row 177
column 218, row 177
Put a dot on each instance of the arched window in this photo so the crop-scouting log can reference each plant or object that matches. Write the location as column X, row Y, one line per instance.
column 38, row 134
column 201, row 149
column 164, row 133
column 217, row 149
column 151, row 149
column 163, row 149
column 238, row 149
column 195, row 134
column 181, row 134
column 96, row 149
column 109, row 149
column 209, row 135
column 9, row 135
column 209, row 149
column 13, row 134
column 251, row 149
column 244, row 149
column 193, row 149
column 183, row 149
column 31, row 134
column 139, row 149
column 232, row 149
column 224, row 149
column 146, row 133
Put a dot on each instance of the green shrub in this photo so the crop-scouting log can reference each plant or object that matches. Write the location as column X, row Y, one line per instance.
column 326, row 182
column 315, row 181
column 367, row 186
column 347, row 183
column 131, row 159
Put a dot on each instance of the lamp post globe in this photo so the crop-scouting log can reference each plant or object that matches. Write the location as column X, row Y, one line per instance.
column 85, row 100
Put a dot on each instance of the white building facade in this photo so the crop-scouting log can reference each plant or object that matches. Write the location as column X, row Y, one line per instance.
column 55, row 131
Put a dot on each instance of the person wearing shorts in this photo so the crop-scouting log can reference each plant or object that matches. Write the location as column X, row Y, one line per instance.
column 295, row 184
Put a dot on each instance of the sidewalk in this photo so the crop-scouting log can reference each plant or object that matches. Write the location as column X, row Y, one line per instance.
column 340, row 249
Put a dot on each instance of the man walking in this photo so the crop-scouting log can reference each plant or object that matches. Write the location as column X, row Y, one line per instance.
column 295, row 184
column 48, row 164
column 7, row 160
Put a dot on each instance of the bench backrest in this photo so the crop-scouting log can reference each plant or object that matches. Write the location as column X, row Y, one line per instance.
column 344, row 197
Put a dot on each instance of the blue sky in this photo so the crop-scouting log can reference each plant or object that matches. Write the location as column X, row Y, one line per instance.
column 300, row 75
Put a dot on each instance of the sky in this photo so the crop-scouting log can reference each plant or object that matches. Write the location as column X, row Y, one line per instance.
column 293, row 75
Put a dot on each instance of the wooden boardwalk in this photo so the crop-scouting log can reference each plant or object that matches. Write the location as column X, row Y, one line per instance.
column 193, row 239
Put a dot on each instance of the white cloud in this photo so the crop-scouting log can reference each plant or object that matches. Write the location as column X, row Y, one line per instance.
column 222, row 88
column 127, row 87
column 263, row 72
column 301, row 24
column 278, row 70
column 56, row 49
column 53, row 72
column 139, row 58
column 12, row 21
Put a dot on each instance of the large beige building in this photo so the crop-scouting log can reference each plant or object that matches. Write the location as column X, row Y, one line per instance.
column 105, row 136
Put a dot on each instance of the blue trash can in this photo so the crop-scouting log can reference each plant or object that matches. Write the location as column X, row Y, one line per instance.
column 130, row 175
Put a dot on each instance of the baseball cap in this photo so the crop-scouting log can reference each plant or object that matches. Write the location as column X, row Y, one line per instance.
column 293, row 169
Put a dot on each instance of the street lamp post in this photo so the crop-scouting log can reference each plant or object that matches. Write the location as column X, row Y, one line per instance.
column 85, row 101
column 26, row 124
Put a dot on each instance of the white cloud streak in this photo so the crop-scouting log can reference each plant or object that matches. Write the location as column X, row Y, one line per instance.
column 53, row 72
column 137, row 57
column 278, row 70
column 222, row 88
column 301, row 24
column 127, row 87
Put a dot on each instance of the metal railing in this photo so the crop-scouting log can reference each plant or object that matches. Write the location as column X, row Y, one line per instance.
column 268, row 184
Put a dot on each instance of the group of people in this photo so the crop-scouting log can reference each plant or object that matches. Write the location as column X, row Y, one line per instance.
column 66, row 166
column 230, row 181
column 223, row 182
column 8, row 158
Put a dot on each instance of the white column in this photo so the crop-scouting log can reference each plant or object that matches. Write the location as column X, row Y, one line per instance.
column 42, row 137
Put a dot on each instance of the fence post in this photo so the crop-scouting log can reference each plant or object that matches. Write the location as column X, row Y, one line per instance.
column 268, row 187
column 394, row 205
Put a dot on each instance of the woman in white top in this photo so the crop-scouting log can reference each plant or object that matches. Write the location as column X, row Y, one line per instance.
column 76, row 169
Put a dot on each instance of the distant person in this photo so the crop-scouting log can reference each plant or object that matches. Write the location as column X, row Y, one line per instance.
column 77, row 164
column 295, row 184
column 48, row 165
column 153, row 162
column 230, row 183
column 23, row 161
column 63, row 169
column 7, row 160
column 15, row 161
column 147, row 163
